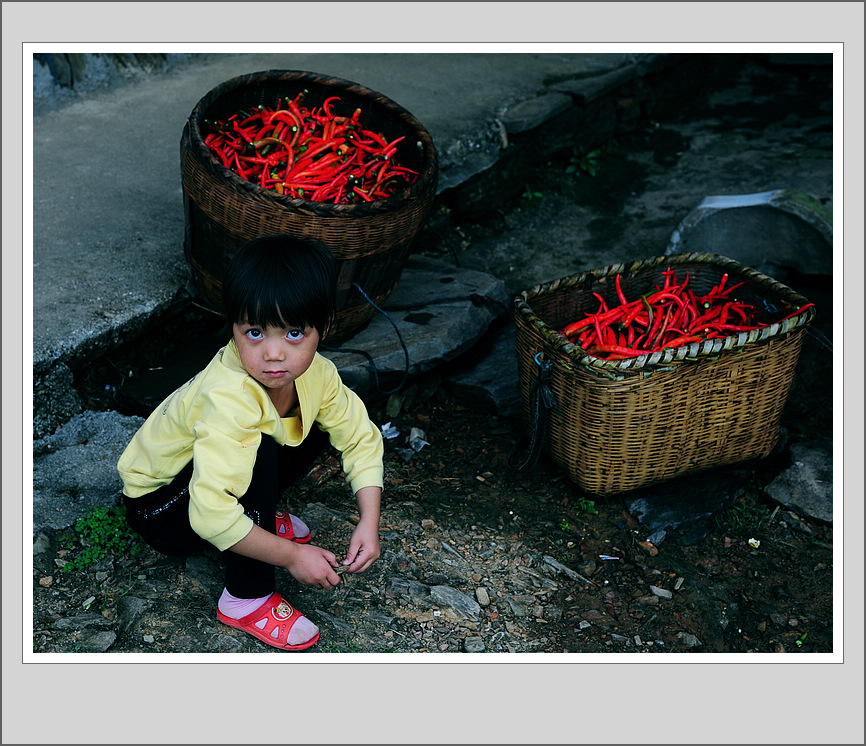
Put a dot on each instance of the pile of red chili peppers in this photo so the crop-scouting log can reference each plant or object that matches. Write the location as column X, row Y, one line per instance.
column 671, row 316
column 309, row 153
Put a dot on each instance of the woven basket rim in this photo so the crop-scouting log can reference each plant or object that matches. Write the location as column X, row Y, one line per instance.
column 427, row 177
column 668, row 357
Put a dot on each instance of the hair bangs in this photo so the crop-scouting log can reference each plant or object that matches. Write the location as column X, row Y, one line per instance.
column 281, row 282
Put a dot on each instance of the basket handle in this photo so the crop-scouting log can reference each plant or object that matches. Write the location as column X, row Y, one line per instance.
column 541, row 401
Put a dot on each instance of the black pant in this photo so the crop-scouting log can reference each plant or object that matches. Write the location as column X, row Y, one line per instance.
column 161, row 517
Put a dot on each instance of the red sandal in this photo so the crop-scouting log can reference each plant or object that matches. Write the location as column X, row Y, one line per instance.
column 280, row 617
column 286, row 530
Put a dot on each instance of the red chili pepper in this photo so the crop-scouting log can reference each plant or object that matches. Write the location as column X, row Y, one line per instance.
column 616, row 350
column 296, row 141
column 619, row 292
column 683, row 339
column 798, row 311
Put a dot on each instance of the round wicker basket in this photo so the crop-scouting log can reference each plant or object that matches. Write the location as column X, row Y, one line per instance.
column 370, row 241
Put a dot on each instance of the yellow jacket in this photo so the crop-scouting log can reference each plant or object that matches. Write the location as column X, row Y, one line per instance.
column 218, row 418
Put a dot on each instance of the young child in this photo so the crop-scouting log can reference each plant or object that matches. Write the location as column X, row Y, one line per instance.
column 211, row 463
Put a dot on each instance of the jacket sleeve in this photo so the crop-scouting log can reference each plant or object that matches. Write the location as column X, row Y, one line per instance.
column 227, row 438
column 344, row 417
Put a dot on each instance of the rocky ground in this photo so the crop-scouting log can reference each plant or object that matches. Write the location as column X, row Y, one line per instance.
column 479, row 558
column 476, row 558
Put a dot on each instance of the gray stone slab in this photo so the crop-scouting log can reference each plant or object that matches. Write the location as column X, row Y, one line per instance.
column 75, row 468
column 491, row 381
column 529, row 114
column 431, row 313
column 769, row 231
column 806, row 486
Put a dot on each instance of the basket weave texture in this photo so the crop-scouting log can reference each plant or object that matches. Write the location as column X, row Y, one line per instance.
column 370, row 241
column 624, row 424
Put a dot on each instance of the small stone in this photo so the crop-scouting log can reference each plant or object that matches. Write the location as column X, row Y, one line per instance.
column 96, row 641
column 427, row 524
column 584, row 624
column 689, row 640
column 538, row 612
column 649, row 548
column 100, row 576
column 679, row 583
column 647, row 600
column 46, row 581
column 637, row 640
column 473, row 645
column 517, row 608
column 41, row 543
column 481, row 596
column 661, row 592
column 148, row 638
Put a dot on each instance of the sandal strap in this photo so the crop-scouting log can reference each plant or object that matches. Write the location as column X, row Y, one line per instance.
column 278, row 612
column 284, row 520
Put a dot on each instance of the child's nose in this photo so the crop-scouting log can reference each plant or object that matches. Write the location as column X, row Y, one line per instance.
column 274, row 350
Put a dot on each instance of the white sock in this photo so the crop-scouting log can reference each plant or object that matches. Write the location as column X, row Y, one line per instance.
column 300, row 528
column 238, row 608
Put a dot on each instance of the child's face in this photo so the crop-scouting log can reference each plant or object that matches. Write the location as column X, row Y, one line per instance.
column 274, row 356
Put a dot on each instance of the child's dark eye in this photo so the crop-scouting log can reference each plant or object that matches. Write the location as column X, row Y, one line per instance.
column 253, row 333
column 295, row 334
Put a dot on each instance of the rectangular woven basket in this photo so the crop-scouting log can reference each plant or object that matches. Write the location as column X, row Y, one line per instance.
column 623, row 424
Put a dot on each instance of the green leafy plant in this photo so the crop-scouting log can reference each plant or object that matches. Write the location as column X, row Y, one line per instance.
column 585, row 162
column 586, row 506
column 100, row 532
column 563, row 525
column 530, row 197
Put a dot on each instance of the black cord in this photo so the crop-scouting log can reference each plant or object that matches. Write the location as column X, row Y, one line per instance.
column 370, row 357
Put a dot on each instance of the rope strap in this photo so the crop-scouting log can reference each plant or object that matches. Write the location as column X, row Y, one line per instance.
column 541, row 401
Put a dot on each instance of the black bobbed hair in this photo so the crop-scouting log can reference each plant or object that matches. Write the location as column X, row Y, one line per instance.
column 281, row 281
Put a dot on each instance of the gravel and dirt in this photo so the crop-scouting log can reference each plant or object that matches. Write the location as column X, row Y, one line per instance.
column 477, row 558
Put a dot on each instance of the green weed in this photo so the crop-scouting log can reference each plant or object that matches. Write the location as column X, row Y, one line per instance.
column 586, row 506
column 100, row 532
column 741, row 522
column 584, row 162
column 530, row 197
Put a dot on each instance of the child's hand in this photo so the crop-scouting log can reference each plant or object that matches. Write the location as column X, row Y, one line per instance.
column 312, row 565
column 363, row 546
